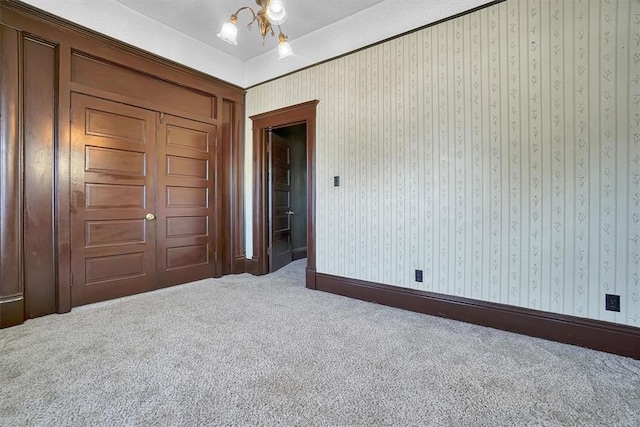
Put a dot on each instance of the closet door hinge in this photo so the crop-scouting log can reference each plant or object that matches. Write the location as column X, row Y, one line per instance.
column 70, row 279
column 215, row 256
column 161, row 118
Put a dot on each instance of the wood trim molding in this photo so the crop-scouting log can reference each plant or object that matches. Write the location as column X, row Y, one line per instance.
column 299, row 253
column 595, row 334
column 63, row 184
column 11, row 311
column 238, row 215
column 11, row 182
column 252, row 266
column 311, row 278
column 285, row 116
column 230, row 190
column 239, row 264
column 173, row 71
column 295, row 114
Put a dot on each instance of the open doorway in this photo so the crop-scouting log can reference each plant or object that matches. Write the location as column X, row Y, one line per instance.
column 286, row 152
column 266, row 125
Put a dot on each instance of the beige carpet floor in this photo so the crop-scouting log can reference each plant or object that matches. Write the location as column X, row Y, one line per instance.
column 244, row 350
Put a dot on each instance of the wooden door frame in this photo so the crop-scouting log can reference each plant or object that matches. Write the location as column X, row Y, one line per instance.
column 287, row 116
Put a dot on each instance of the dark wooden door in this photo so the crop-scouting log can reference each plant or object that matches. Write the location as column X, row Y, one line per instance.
column 280, row 203
column 113, row 189
column 143, row 191
column 186, row 248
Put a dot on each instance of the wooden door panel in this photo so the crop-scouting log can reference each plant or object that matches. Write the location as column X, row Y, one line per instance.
column 281, row 224
column 115, row 267
column 116, row 232
column 187, row 256
column 107, row 197
column 183, row 167
column 280, row 195
column 187, row 197
column 187, row 226
column 117, row 126
column 186, row 243
column 117, row 162
column 191, row 140
column 113, row 187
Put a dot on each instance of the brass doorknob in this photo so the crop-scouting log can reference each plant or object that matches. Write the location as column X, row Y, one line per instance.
column 150, row 217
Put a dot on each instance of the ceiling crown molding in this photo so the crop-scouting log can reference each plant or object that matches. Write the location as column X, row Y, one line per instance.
column 381, row 22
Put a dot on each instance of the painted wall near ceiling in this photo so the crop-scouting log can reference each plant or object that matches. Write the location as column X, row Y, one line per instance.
column 499, row 152
column 187, row 35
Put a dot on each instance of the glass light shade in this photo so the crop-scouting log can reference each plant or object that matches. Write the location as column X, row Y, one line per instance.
column 284, row 50
column 228, row 33
column 276, row 13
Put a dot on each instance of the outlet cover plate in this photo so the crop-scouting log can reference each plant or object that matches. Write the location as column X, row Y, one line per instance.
column 612, row 302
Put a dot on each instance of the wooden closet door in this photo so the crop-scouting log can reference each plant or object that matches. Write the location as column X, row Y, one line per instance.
column 186, row 244
column 280, row 202
column 112, row 190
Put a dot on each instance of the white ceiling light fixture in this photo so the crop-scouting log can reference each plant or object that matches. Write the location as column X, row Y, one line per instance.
column 272, row 12
column 276, row 12
column 284, row 48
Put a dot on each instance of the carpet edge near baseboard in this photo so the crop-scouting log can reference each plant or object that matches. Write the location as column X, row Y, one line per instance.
column 594, row 334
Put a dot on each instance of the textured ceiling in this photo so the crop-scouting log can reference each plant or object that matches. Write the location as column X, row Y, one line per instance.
column 202, row 19
column 185, row 31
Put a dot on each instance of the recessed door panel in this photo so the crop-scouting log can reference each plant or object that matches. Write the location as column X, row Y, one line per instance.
column 187, row 197
column 185, row 167
column 113, row 245
column 118, row 126
column 190, row 139
column 187, row 226
column 108, row 160
column 101, row 233
column 187, row 256
column 115, row 197
column 115, row 267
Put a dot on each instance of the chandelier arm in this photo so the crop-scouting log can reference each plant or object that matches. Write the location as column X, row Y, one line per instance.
column 235, row 15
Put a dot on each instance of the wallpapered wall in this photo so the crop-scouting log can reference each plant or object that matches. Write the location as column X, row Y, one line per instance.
column 499, row 152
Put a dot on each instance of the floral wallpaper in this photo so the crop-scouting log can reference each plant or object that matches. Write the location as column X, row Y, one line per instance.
column 499, row 152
